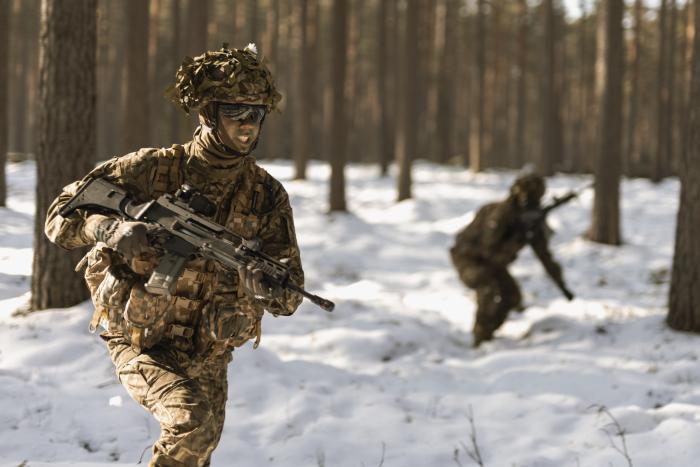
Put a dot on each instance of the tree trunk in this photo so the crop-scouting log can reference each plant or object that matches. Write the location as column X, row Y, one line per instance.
column 476, row 146
column 551, row 124
column 269, row 145
column 136, row 116
column 196, row 36
column 663, row 129
column 253, row 22
column 423, row 66
column 307, row 88
column 339, row 126
column 684, row 298
column 520, row 154
column 23, row 58
column 196, row 27
column 446, row 92
column 67, row 90
column 178, row 122
column 406, row 136
column 352, row 87
column 686, row 56
column 671, row 163
column 385, row 129
column 605, row 227
column 4, row 66
column 631, row 159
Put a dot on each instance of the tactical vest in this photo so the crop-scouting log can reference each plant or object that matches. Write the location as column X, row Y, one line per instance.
column 209, row 313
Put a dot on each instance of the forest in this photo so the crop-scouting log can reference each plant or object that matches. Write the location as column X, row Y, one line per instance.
column 399, row 120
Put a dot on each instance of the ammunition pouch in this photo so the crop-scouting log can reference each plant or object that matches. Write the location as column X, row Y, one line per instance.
column 225, row 325
column 121, row 303
column 146, row 318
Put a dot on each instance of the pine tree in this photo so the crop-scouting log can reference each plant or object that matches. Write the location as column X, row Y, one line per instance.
column 67, row 133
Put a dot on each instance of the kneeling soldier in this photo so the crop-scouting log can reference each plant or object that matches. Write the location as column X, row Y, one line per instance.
column 484, row 249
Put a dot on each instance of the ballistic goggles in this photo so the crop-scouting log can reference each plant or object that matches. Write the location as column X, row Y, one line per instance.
column 243, row 112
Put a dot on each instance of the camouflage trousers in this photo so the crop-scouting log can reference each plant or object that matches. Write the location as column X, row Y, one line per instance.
column 496, row 294
column 190, row 408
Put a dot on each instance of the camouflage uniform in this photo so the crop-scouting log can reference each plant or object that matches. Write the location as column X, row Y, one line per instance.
column 175, row 366
column 484, row 249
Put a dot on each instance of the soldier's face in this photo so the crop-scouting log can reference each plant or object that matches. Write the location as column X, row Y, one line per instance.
column 528, row 200
column 239, row 131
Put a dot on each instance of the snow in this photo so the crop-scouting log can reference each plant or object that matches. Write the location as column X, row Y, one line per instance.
column 389, row 378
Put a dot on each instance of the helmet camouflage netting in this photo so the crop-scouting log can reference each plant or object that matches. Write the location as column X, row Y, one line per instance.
column 531, row 183
column 224, row 75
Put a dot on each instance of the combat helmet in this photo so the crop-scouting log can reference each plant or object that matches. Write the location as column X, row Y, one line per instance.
column 225, row 75
column 528, row 189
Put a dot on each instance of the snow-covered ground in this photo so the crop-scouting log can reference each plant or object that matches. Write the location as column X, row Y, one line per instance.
column 389, row 378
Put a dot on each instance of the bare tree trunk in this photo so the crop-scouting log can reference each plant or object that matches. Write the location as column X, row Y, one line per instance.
column 307, row 88
column 156, row 68
column 578, row 137
column 385, row 129
column 4, row 66
column 195, row 26
column 446, row 92
column 671, row 76
column 353, row 78
column 339, row 127
column 423, row 66
column 136, row 117
column 269, row 146
column 631, row 159
column 253, row 21
column 605, row 226
column 663, row 129
column 687, row 58
column 684, row 298
column 465, row 93
column 521, row 153
column 23, row 75
column 67, row 135
column 551, row 123
column 406, row 137
column 497, row 146
column 196, row 30
column 476, row 150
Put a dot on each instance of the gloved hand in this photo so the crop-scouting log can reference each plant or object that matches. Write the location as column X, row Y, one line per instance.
column 251, row 278
column 568, row 293
column 128, row 238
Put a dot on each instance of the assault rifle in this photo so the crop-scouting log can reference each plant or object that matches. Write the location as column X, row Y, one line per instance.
column 533, row 217
column 187, row 234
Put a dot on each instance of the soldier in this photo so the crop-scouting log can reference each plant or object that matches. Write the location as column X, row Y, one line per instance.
column 484, row 249
column 171, row 352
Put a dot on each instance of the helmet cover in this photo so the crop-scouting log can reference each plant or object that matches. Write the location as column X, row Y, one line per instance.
column 225, row 75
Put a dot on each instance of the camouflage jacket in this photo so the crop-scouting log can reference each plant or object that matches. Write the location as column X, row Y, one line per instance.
column 249, row 201
column 498, row 233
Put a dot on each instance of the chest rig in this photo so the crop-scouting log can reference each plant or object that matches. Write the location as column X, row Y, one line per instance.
column 209, row 314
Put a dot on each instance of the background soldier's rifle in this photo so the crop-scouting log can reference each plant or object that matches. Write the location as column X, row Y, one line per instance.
column 533, row 218
column 187, row 234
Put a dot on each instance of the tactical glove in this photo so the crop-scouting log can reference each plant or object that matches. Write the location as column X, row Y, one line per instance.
column 254, row 285
column 568, row 293
column 128, row 238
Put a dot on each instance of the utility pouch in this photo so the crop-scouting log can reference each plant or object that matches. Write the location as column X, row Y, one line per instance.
column 146, row 318
column 226, row 325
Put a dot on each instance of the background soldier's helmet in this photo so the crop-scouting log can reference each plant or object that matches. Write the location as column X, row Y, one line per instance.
column 226, row 75
column 528, row 188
